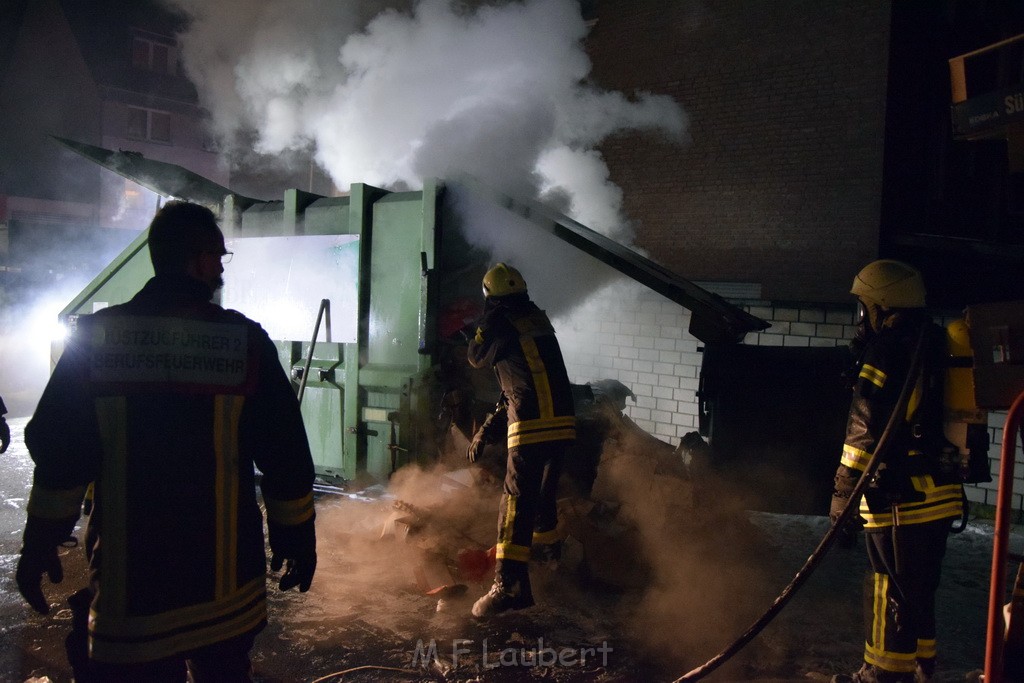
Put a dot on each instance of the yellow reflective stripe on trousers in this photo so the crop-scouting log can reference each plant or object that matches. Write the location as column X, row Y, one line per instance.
column 226, row 412
column 901, row 662
column 505, row 533
column 112, row 417
column 55, row 503
column 875, row 652
column 878, row 605
column 510, row 551
column 927, row 649
column 134, row 639
column 506, row 550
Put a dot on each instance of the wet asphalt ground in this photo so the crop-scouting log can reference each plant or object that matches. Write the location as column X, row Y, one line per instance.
column 368, row 617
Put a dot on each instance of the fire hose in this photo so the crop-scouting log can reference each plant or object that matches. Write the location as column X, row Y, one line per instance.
column 826, row 542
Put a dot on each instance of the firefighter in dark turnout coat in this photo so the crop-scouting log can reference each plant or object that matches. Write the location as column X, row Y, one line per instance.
column 909, row 507
column 165, row 404
column 517, row 340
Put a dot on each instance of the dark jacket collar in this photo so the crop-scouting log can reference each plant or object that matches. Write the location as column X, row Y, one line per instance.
column 174, row 290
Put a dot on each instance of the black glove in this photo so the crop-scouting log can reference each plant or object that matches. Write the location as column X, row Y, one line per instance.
column 294, row 548
column 846, row 536
column 491, row 431
column 39, row 556
column 5, row 434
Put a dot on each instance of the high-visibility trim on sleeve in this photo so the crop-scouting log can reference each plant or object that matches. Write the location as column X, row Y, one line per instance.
column 55, row 503
column 855, row 457
column 290, row 512
column 873, row 375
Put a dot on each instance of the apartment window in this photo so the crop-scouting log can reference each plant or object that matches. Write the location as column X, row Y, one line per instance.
column 149, row 124
column 151, row 55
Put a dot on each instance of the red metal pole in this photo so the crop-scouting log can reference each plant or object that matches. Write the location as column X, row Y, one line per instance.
column 1000, row 545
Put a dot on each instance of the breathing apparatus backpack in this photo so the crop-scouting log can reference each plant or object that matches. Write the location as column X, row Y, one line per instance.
column 964, row 423
column 948, row 425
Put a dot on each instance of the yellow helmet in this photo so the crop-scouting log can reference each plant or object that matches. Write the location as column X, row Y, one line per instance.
column 891, row 284
column 502, row 280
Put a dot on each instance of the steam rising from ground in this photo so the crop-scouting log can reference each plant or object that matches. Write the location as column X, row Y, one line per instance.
column 674, row 567
column 431, row 89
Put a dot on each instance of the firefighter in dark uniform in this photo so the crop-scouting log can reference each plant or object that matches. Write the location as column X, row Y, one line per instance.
column 516, row 338
column 166, row 403
column 909, row 507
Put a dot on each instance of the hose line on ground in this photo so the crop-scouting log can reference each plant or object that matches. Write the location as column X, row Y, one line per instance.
column 368, row 667
column 826, row 542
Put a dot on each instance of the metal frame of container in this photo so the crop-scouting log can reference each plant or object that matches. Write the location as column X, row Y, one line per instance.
column 367, row 401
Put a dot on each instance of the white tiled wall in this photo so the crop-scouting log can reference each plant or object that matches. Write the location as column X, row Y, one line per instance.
column 640, row 338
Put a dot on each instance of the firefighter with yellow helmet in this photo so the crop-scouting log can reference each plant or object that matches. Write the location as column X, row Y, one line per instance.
column 908, row 508
column 516, row 339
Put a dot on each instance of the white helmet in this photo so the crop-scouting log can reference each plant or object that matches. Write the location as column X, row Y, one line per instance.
column 890, row 284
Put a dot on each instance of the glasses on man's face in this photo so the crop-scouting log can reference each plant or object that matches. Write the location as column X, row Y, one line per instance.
column 225, row 256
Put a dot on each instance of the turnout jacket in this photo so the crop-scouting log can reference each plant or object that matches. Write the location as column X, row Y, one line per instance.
column 517, row 340
column 909, row 486
column 166, row 403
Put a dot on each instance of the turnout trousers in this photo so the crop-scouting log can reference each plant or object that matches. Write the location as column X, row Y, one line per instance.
column 899, row 595
column 529, row 501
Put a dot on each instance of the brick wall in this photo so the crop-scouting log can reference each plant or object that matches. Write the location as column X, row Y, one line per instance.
column 780, row 181
column 640, row 338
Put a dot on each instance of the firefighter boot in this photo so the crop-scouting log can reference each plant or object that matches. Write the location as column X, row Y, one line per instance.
column 870, row 674
column 511, row 590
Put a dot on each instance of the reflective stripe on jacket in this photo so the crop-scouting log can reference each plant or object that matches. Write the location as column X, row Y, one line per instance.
column 169, row 403
column 517, row 340
column 907, row 489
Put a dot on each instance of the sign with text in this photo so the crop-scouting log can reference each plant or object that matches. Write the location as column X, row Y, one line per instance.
column 167, row 351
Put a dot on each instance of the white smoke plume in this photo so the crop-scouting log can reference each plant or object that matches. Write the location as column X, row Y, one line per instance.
column 392, row 93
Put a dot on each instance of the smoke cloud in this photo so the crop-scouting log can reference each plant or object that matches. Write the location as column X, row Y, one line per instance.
column 392, row 93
